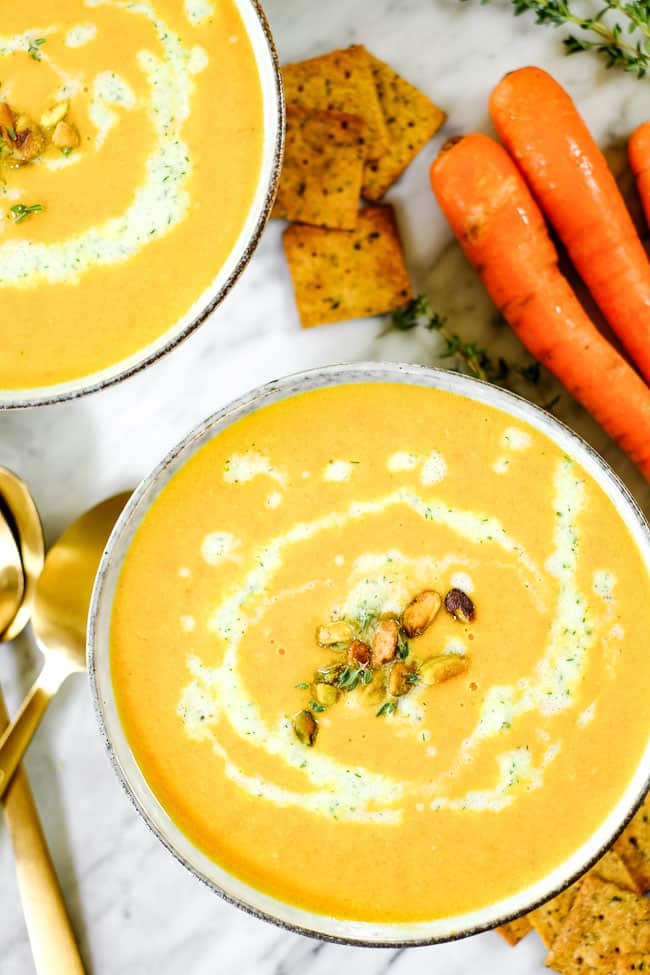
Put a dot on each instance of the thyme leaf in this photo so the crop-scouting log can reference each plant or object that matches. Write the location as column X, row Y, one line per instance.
column 469, row 356
column 34, row 49
column 388, row 707
column 21, row 212
column 617, row 30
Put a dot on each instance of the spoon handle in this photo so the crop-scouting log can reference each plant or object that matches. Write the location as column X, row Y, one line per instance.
column 20, row 732
column 53, row 944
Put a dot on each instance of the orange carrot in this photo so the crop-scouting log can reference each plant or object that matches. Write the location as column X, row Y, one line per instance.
column 569, row 176
column 638, row 149
column 502, row 231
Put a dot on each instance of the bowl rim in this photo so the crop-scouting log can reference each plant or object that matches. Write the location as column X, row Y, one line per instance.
column 245, row 896
column 210, row 299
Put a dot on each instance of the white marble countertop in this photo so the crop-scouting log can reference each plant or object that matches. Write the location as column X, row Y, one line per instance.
column 135, row 910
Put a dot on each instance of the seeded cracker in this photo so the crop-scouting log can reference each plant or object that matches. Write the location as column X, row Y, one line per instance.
column 412, row 120
column 515, row 930
column 603, row 919
column 628, row 964
column 322, row 169
column 633, row 846
column 549, row 918
column 342, row 274
column 339, row 82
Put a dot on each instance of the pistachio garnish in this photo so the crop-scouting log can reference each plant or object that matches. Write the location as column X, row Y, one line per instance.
column 328, row 675
column 54, row 115
column 333, row 634
column 436, row 670
column 65, row 136
column 421, row 612
column 305, row 727
column 375, row 690
column 398, row 682
column 459, row 605
column 384, row 642
column 29, row 142
column 326, row 694
column 359, row 653
column 378, row 663
column 7, row 122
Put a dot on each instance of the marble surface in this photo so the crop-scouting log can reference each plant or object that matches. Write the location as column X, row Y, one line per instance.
column 135, row 910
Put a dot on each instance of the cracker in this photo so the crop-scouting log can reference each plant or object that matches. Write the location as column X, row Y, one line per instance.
column 515, row 930
column 612, row 868
column 342, row 274
column 633, row 846
column 603, row 919
column 412, row 119
column 549, row 918
column 339, row 82
column 628, row 964
column 321, row 175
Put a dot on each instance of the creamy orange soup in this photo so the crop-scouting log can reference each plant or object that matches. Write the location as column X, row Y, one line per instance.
column 340, row 506
column 142, row 206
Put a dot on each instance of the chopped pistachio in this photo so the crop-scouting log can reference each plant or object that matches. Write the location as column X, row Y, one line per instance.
column 328, row 675
column 384, row 642
column 438, row 669
column 326, row 695
column 7, row 122
column 421, row 612
column 359, row 653
column 65, row 136
column 459, row 605
column 334, row 633
column 374, row 691
column 55, row 114
column 305, row 727
column 29, row 141
column 398, row 679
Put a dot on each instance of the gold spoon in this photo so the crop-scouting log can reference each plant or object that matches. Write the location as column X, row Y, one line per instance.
column 59, row 619
column 53, row 944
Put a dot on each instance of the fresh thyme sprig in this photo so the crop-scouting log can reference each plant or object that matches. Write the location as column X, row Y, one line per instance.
column 619, row 31
column 476, row 360
column 471, row 357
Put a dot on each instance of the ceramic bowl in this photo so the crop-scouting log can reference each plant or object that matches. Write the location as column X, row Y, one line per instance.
column 261, row 40
column 230, row 887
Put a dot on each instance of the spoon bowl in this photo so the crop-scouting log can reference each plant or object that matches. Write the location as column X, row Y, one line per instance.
column 12, row 586
column 24, row 520
column 59, row 617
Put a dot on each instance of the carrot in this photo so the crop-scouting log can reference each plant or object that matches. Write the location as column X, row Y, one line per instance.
column 503, row 233
column 540, row 127
column 638, row 149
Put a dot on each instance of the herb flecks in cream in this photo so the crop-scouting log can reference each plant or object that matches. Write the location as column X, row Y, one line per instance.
column 163, row 198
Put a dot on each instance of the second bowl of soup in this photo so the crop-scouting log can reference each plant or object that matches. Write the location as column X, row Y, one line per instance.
column 140, row 145
column 358, row 647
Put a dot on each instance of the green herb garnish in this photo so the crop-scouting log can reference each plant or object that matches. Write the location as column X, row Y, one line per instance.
column 21, row 212
column 315, row 706
column 402, row 646
column 471, row 358
column 66, row 150
column 349, row 678
column 34, row 49
column 302, row 686
column 388, row 707
column 616, row 30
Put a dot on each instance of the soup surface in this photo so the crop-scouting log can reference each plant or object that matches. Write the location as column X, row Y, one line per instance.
column 137, row 194
column 416, row 798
